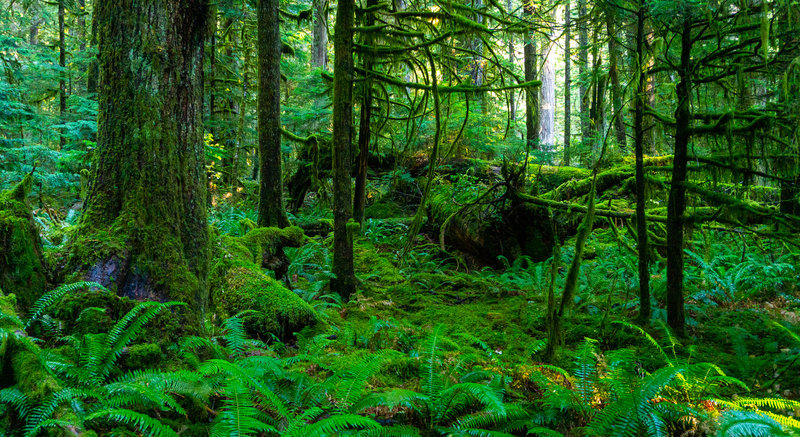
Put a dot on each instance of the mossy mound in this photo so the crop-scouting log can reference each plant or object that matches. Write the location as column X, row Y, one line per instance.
column 238, row 285
column 383, row 209
column 370, row 264
column 266, row 246
column 22, row 270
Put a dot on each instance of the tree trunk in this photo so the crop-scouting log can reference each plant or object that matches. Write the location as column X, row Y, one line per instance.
column 360, row 199
column 641, row 220
column 547, row 114
column 567, row 83
column 616, row 91
column 512, row 104
column 82, row 25
column 145, row 231
column 531, row 94
column 583, row 68
column 319, row 41
column 62, row 62
column 271, row 211
column 345, row 282
column 93, row 72
column 676, row 205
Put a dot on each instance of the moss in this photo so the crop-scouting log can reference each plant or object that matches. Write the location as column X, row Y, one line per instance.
column 238, row 285
column 143, row 356
column 73, row 311
column 271, row 240
column 31, row 377
column 383, row 209
column 369, row 263
column 550, row 177
column 22, row 270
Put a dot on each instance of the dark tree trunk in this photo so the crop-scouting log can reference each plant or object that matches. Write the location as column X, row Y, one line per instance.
column 319, row 38
column 616, row 91
column 345, row 282
column 583, row 66
column 271, row 211
column 62, row 62
column 145, row 230
column 676, row 205
column 641, row 221
column 364, row 133
column 93, row 72
column 531, row 93
column 567, row 83
column 82, row 25
column 512, row 104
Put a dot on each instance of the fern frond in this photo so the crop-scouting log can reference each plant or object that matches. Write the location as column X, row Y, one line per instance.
column 334, row 425
column 748, row 424
column 51, row 297
column 147, row 425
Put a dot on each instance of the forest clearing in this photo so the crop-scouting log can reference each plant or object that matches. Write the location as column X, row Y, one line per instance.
column 400, row 218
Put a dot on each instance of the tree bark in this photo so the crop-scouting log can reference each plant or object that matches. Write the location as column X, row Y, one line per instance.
column 345, row 282
column 547, row 113
column 641, row 219
column 145, row 231
column 364, row 133
column 512, row 104
column 676, row 204
column 531, row 94
column 583, row 66
column 319, row 37
column 271, row 211
column 616, row 91
column 567, row 82
column 62, row 62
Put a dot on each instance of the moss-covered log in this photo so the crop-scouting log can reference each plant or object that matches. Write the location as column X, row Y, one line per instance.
column 144, row 232
column 238, row 284
column 22, row 270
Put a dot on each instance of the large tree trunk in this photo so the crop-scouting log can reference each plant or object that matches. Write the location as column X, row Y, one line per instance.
column 531, row 94
column 583, row 68
column 676, row 205
column 613, row 78
column 319, row 38
column 512, row 104
column 547, row 114
column 641, row 220
column 145, row 231
column 345, row 282
column 271, row 211
column 567, row 83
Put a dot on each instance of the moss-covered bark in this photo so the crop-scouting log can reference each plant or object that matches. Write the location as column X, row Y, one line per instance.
column 144, row 232
column 22, row 270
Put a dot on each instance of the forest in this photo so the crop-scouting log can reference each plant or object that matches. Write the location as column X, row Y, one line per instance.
column 400, row 218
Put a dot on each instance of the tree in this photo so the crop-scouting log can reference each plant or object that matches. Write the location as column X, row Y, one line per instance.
column 271, row 211
column 345, row 282
column 531, row 94
column 319, row 39
column 144, row 231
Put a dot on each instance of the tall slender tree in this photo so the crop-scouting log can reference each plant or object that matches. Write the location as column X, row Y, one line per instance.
column 343, row 69
column 271, row 211
column 639, row 144
column 567, row 82
column 531, row 93
column 319, row 34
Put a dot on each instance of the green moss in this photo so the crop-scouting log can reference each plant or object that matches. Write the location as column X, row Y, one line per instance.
column 91, row 312
column 238, row 285
column 143, row 356
column 370, row 264
column 22, row 270
column 31, row 377
column 383, row 209
column 549, row 177
column 270, row 240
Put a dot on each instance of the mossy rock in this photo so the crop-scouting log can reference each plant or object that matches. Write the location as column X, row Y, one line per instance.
column 22, row 270
column 238, row 285
column 30, row 376
column 143, row 356
column 266, row 245
column 91, row 311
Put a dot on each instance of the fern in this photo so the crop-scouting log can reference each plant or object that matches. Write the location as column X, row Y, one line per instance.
column 52, row 297
column 147, row 425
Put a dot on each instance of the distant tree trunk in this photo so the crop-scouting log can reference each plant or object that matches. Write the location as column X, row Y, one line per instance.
column 82, row 25
column 144, row 231
column 345, row 282
column 547, row 114
column 676, row 204
column 364, row 133
column 650, row 91
column 62, row 62
column 33, row 30
column 583, row 68
column 93, row 72
column 512, row 104
column 641, row 219
column 613, row 77
column 319, row 34
column 567, row 83
column 478, row 71
column 271, row 211
column 531, row 94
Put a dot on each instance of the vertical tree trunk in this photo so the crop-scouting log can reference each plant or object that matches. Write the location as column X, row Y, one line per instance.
column 531, row 94
column 271, row 211
column 512, row 104
column 345, row 282
column 567, row 82
column 93, row 72
column 62, row 62
column 364, row 133
column 319, row 35
column 613, row 78
column 641, row 219
column 33, row 30
column 676, row 205
column 583, row 68
column 82, row 25
column 145, row 231
column 547, row 113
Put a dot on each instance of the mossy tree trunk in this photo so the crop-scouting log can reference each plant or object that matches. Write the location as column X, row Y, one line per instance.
column 531, row 94
column 62, row 62
column 364, row 132
column 567, row 83
column 641, row 219
column 583, row 65
column 145, row 230
column 271, row 211
column 319, row 41
column 345, row 282
column 613, row 78
column 676, row 204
